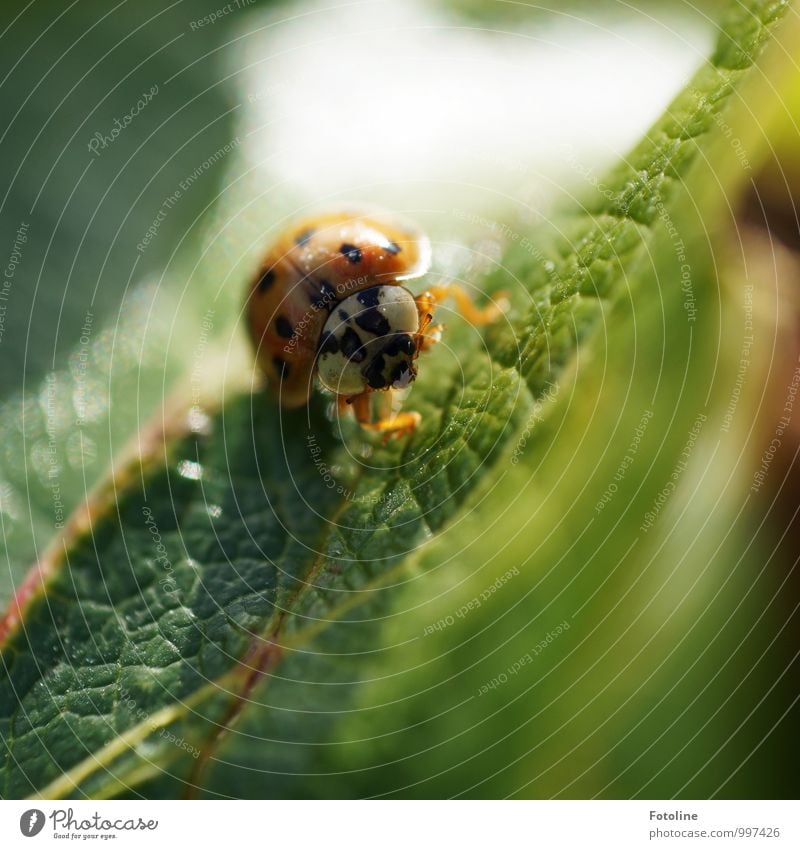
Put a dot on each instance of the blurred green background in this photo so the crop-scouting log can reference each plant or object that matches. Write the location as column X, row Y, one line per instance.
column 676, row 673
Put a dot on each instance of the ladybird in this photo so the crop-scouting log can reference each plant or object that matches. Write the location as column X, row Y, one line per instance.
column 329, row 302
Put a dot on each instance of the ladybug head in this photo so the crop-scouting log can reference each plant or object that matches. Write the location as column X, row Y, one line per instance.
column 370, row 342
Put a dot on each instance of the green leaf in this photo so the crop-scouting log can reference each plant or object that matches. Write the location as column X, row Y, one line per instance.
column 87, row 207
column 81, row 289
column 243, row 570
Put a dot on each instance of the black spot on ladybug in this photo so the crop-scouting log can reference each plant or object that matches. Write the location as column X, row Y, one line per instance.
column 373, row 321
column 329, row 344
column 374, row 373
column 352, row 347
column 352, row 253
column 281, row 366
column 267, row 279
column 284, row 327
column 369, row 297
column 393, row 248
column 305, row 237
column 400, row 343
column 325, row 296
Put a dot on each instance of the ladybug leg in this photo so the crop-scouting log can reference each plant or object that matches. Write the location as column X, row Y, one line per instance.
column 428, row 334
column 343, row 403
column 479, row 316
column 432, row 335
column 387, row 423
column 398, row 426
column 362, row 407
